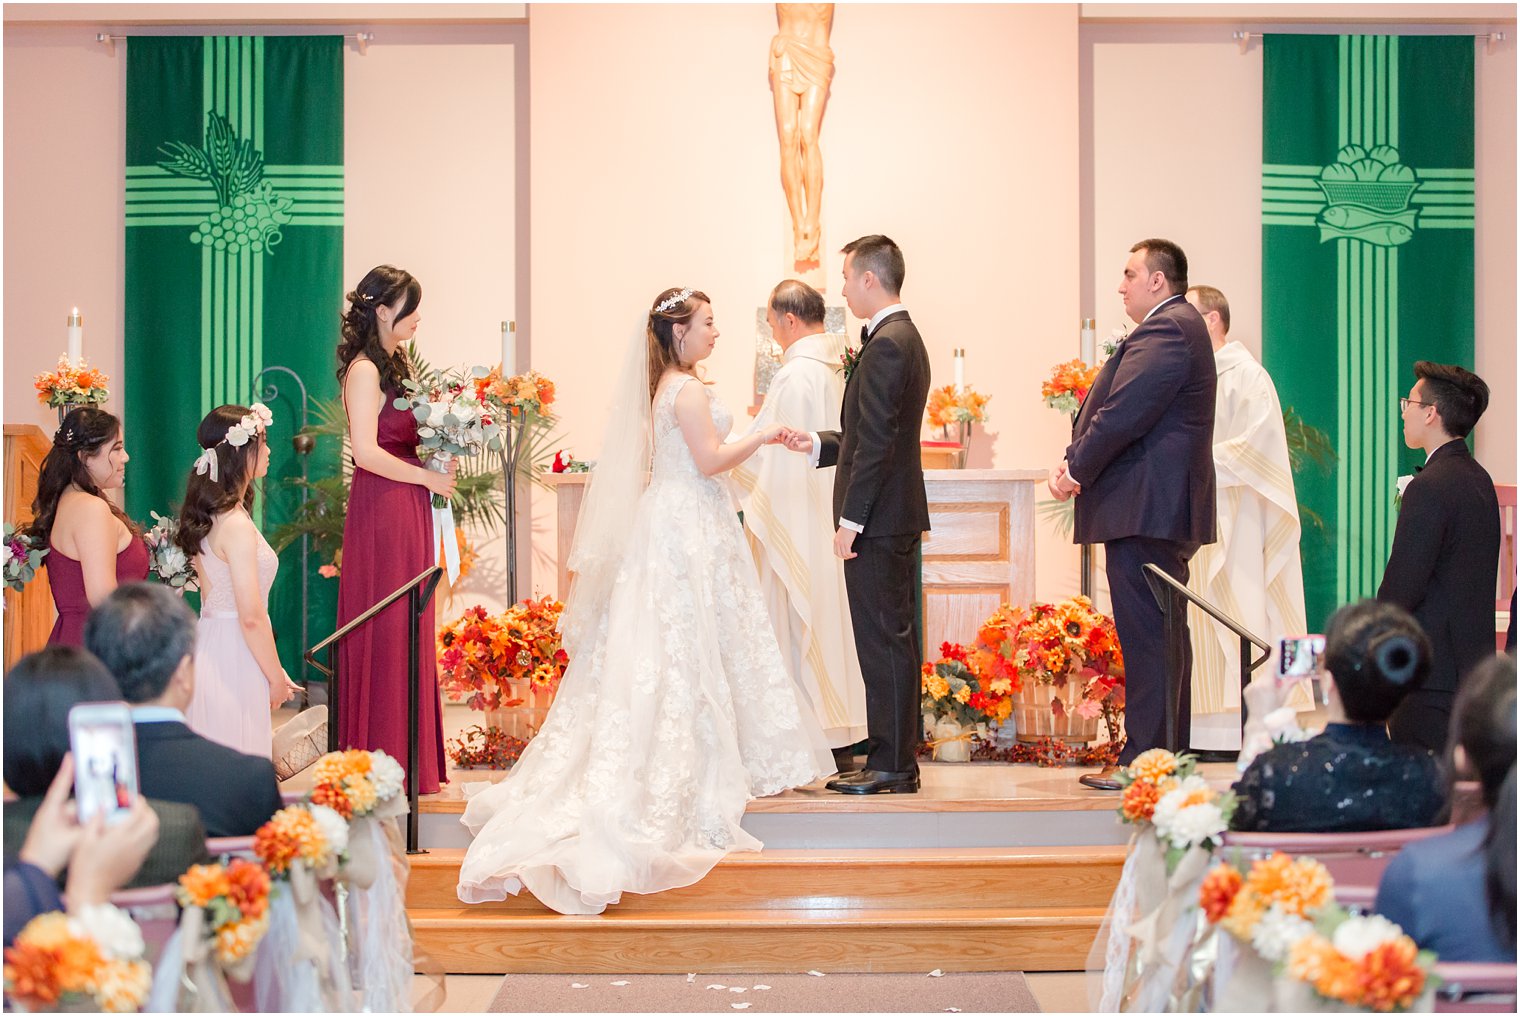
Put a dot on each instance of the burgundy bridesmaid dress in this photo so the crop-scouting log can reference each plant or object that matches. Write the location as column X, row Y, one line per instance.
column 66, row 576
column 386, row 542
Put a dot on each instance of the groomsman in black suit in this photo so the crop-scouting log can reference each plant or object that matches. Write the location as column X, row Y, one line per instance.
column 1444, row 565
column 881, row 510
column 1141, row 465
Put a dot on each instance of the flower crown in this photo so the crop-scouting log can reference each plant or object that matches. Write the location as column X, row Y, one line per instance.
column 258, row 420
column 674, row 301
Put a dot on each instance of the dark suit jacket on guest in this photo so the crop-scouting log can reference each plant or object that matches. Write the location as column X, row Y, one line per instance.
column 1143, row 444
column 880, row 480
column 181, row 840
column 1444, row 565
column 235, row 793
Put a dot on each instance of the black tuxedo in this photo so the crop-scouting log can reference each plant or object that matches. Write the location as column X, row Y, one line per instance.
column 879, row 485
column 235, row 793
column 1142, row 449
column 1444, row 570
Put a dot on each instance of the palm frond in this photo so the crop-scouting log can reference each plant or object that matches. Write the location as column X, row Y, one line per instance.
column 1307, row 445
column 1061, row 514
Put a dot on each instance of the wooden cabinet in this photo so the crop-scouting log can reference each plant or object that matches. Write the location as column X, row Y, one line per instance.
column 29, row 613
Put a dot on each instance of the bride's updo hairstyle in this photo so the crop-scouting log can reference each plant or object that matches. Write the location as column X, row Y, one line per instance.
column 208, row 495
column 383, row 286
column 672, row 307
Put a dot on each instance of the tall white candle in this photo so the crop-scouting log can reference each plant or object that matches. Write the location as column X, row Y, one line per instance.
column 960, row 369
column 509, row 349
column 76, row 335
column 1089, row 340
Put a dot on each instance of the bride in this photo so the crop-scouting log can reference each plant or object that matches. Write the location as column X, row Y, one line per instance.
column 676, row 708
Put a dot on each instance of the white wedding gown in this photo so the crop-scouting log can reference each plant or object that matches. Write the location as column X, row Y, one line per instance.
column 680, row 713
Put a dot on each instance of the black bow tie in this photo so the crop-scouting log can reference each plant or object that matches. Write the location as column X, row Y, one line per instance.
column 865, row 335
column 1418, row 468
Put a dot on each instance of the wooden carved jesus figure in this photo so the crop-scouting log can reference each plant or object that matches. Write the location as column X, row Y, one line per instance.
column 802, row 65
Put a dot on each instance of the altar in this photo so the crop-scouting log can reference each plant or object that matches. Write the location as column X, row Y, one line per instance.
column 978, row 554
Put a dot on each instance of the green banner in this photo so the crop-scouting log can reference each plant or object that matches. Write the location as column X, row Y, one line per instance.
column 234, row 260
column 1367, row 266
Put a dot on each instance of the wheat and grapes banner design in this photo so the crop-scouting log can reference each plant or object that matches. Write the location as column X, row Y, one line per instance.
column 234, row 252
column 1367, row 266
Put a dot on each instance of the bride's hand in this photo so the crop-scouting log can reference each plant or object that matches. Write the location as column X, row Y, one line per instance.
column 775, row 434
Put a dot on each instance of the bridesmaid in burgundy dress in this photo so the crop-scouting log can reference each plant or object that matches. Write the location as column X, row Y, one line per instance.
column 92, row 546
column 388, row 534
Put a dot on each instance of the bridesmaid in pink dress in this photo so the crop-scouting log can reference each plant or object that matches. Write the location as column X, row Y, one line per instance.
column 92, row 546
column 388, row 534
column 238, row 675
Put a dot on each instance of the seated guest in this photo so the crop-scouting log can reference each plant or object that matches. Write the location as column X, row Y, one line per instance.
column 1445, row 555
column 1441, row 890
column 39, row 691
column 99, row 860
column 145, row 635
column 1351, row 777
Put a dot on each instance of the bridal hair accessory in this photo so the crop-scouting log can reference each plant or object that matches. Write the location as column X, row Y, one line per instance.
column 258, row 419
column 673, row 301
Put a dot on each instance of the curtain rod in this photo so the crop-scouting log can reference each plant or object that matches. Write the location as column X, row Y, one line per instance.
column 1492, row 38
column 363, row 39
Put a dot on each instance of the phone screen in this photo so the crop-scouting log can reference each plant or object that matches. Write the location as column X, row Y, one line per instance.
column 105, row 759
column 1300, row 657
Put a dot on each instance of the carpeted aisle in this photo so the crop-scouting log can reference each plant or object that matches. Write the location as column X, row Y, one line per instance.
column 764, row 993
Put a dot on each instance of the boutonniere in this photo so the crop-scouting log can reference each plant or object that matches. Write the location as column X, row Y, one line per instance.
column 848, row 361
column 1400, row 485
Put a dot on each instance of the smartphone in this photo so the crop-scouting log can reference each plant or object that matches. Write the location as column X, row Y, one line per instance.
column 105, row 759
column 1300, row 657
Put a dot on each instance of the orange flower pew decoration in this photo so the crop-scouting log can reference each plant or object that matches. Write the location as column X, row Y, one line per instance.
column 235, row 900
column 314, row 835
column 359, row 783
column 70, row 385
column 1284, row 909
column 1068, row 385
column 93, row 958
column 1162, row 792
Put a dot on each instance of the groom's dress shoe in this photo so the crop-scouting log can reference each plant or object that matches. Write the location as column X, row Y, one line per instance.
column 1106, row 779
column 874, row 781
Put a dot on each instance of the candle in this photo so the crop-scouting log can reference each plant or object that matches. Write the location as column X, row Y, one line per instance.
column 508, row 348
column 76, row 336
column 1089, row 340
column 960, row 369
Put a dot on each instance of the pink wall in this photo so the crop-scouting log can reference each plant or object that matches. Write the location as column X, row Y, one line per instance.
column 952, row 129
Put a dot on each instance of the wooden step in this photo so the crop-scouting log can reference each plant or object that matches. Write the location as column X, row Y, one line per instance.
column 841, row 880
column 469, row 941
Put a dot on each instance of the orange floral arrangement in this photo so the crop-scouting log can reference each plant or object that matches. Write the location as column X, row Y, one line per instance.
column 357, row 782
column 314, row 834
column 947, row 406
column 92, row 958
column 68, row 385
column 480, row 653
column 235, row 897
column 1068, row 385
column 1049, row 643
column 952, row 688
column 528, row 392
column 1365, row 962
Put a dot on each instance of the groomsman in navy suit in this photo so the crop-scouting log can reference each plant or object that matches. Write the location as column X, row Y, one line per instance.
column 1444, row 565
column 1141, row 466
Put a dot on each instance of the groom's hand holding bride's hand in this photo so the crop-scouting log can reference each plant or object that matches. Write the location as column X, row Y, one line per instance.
column 777, row 434
column 799, row 441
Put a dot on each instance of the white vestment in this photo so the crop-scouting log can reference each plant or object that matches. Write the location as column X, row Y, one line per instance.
column 789, row 517
column 1253, row 573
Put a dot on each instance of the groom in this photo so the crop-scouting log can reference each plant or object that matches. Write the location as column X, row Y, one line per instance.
column 881, row 510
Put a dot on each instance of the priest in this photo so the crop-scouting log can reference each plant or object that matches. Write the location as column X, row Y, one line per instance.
column 1254, row 573
column 789, row 519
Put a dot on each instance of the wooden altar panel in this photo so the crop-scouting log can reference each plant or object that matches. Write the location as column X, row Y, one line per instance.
column 980, row 550
column 29, row 613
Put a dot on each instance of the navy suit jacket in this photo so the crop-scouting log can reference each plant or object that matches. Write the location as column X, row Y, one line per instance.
column 235, row 793
column 1143, row 444
column 1444, row 566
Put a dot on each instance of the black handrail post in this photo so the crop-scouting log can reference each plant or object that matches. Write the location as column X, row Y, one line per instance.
column 332, row 705
column 412, row 702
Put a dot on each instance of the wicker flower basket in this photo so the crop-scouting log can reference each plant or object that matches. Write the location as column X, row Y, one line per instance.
column 1036, row 719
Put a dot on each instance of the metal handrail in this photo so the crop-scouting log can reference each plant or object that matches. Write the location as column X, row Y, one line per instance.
column 418, row 591
column 1166, row 590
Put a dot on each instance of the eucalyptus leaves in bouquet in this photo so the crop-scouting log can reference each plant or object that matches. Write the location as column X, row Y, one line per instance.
column 454, row 418
column 166, row 560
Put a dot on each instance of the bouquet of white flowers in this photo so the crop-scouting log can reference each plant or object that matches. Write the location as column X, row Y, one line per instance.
column 21, row 558
column 453, row 415
column 165, row 558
